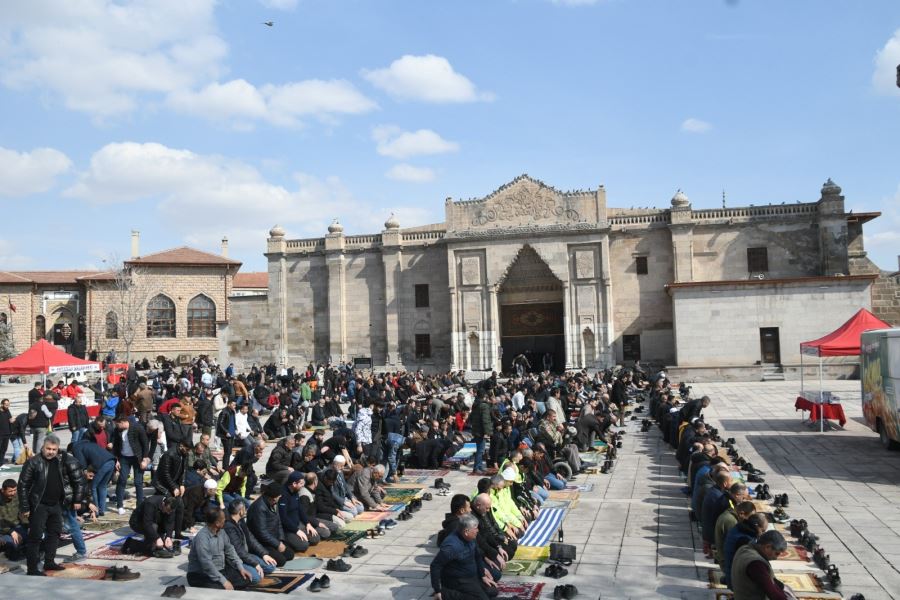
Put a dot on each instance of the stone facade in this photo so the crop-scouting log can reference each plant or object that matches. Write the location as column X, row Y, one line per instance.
column 529, row 267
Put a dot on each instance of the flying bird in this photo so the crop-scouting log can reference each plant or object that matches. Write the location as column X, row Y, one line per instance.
column 269, row 23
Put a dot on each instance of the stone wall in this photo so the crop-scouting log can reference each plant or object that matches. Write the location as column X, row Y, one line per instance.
column 718, row 326
column 247, row 338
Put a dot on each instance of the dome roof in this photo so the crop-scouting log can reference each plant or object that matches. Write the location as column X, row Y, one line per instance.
column 335, row 227
column 830, row 188
column 392, row 222
column 680, row 199
column 277, row 232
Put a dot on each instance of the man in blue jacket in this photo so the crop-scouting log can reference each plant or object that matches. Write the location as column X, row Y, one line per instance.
column 745, row 532
column 103, row 464
column 459, row 571
column 299, row 532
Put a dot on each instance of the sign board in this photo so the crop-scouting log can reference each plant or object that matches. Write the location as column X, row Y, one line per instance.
column 362, row 362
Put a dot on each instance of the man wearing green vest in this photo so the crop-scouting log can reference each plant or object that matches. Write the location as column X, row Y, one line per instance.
column 752, row 577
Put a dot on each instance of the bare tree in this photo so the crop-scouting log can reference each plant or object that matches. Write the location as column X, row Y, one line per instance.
column 7, row 346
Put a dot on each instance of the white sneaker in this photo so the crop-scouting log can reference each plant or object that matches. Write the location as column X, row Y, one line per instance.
column 121, row 511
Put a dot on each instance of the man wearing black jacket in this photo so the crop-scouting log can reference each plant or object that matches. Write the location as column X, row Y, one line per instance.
column 154, row 518
column 170, row 480
column 205, row 414
column 226, row 429
column 265, row 524
column 6, row 428
column 131, row 448
column 176, row 430
column 50, row 484
column 77, row 416
column 256, row 560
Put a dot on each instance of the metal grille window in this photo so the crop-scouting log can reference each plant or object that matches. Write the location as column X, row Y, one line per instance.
column 757, row 260
column 161, row 317
column 112, row 326
column 201, row 317
column 640, row 265
column 422, row 300
column 423, row 345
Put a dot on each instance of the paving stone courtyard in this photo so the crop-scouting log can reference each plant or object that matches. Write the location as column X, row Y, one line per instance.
column 631, row 531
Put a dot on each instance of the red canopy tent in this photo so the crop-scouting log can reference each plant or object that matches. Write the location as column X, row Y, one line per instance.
column 843, row 341
column 44, row 358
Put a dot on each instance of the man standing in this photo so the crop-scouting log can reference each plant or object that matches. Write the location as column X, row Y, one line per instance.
column 39, row 419
column 6, row 428
column 77, row 416
column 143, row 400
column 226, row 429
column 482, row 424
column 212, row 561
column 131, row 448
column 50, row 483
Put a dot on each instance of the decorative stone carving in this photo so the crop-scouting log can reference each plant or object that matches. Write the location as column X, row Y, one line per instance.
column 584, row 264
column 525, row 202
column 587, row 299
column 472, row 309
column 470, row 266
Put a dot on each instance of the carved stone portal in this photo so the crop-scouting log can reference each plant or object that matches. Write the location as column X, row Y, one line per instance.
column 471, row 270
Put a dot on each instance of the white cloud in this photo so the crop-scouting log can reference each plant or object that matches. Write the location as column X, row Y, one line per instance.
column 279, row 4
column 227, row 196
column 99, row 56
column 24, row 173
column 283, row 105
column 396, row 143
column 427, row 78
column 11, row 259
column 411, row 174
column 693, row 125
column 886, row 60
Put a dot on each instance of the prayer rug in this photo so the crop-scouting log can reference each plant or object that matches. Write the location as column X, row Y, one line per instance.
column 563, row 494
column 360, row 526
column 428, row 472
column 564, row 504
column 105, row 523
column 399, row 495
column 522, row 568
column 324, row 549
column 419, row 479
column 798, row 553
column 762, row 506
column 114, row 553
column 347, row 536
column 523, row 591
column 532, row 553
column 373, row 517
column 464, row 453
column 800, row 582
column 75, row 571
column 404, row 486
column 302, row 564
column 279, row 584
column 397, row 507
column 581, row 487
column 542, row 529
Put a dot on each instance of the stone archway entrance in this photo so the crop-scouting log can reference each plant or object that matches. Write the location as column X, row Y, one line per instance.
column 532, row 316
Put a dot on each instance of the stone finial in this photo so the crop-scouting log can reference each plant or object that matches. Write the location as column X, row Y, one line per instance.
column 680, row 200
column 392, row 222
column 830, row 188
column 335, row 227
column 277, row 232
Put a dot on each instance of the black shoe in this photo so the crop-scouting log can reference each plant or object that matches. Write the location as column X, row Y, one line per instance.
column 53, row 567
column 784, row 500
column 174, row 591
column 315, row 586
column 36, row 573
column 325, row 582
column 337, row 565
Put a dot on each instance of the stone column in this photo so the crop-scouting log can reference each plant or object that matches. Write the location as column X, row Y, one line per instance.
column 334, row 261
column 608, row 331
column 568, row 316
column 391, row 256
column 492, row 337
column 454, row 326
column 276, row 248
column 682, row 228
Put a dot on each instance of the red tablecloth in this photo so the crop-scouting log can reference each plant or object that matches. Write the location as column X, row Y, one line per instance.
column 62, row 415
column 833, row 412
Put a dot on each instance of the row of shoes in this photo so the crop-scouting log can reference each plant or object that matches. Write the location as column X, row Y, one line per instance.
column 564, row 591
column 781, row 500
column 320, row 583
column 714, row 434
column 834, row 577
column 607, row 466
column 120, row 574
column 556, row 571
column 646, row 424
column 821, row 559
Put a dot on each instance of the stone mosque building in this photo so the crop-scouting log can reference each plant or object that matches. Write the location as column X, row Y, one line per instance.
column 563, row 278
column 557, row 276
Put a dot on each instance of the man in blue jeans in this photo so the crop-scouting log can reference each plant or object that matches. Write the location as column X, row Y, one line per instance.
column 394, row 443
column 131, row 446
column 101, row 464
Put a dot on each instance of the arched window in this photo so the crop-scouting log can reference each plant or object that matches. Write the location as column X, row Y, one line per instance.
column 161, row 317
column 40, row 327
column 201, row 317
column 112, row 326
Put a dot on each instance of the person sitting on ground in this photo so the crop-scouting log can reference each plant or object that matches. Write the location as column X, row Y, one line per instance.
column 544, row 469
column 309, row 461
column 250, row 455
column 743, row 533
column 265, row 523
column 459, row 506
column 734, row 514
column 154, row 518
column 196, row 500
column 700, row 464
column 704, row 484
column 715, row 503
column 278, row 467
column 342, row 492
column 323, row 524
column 326, row 501
column 364, row 484
column 12, row 527
column 213, row 561
column 504, row 508
column 251, row 552
column 458, row 571
column 278, row 425
column 552, row 431
column 751, row 572
column 299, row 532
column 481, row 508
column 490, row 540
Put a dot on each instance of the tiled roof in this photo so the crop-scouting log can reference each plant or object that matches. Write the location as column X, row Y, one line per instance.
column 45, row 277
column 182, row 256
column 251, row 280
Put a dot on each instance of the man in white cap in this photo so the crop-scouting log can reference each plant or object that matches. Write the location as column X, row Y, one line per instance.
column 342, row 492
column 197, row 499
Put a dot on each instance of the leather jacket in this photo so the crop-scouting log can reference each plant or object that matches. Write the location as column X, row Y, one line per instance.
column 33, row 481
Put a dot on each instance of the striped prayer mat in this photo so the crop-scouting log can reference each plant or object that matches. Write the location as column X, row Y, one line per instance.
column 541, row 530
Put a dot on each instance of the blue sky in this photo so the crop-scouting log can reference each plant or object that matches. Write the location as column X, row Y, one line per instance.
column 190, row 119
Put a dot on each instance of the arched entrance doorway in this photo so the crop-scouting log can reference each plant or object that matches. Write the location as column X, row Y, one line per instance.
column 532, row 314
